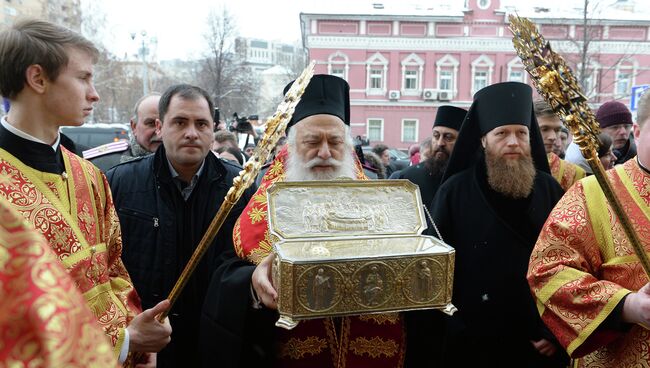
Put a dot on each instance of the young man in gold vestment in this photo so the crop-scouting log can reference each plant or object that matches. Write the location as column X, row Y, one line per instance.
column 590, row 288
column 46, row 72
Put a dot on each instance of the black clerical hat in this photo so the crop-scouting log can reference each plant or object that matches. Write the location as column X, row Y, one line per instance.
column 494, row 106
column 325, row 94
column 450, row 117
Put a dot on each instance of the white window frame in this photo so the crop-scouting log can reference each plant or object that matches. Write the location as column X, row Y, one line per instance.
column 374, row 62
column 482, row 63
column 410, row 78
column 338, row 59
column 516, row 65
column 381, row 128
column 625, row 67
column 409, row 63
column 448, row 62
column 417, row 126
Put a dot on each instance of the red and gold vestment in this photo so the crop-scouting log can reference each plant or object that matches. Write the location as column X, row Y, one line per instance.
column 566, row 173
column 583, row 265
column 44, row 320
column 366, row 341
column 75, row 213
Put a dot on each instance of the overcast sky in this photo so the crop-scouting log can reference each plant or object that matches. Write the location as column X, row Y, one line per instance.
column 179, row 26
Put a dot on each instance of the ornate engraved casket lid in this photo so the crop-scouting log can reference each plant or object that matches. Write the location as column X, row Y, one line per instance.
column 354, row 247
column 344, row 208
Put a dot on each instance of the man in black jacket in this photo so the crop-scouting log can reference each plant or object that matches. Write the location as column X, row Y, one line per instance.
column 165, row 203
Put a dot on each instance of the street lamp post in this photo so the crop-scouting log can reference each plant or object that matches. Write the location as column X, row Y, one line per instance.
column 143, row 52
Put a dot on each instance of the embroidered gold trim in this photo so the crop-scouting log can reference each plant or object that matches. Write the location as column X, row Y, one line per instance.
column 374, row 347
column 380, row 319
column 297, row 348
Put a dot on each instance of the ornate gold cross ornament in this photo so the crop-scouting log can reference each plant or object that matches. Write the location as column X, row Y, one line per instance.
column 556, row 83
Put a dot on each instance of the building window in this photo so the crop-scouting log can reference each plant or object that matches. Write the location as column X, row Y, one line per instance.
column 623, row 83
column 376, row 71
column 480, row 79
column 412, row 68
column 446, row 72
column 411, row 79
column 624, row 76
column 483, row 4
column 446, row 80
column 409, row 130
column 375, row 131
column 338, row 71
column 338, row 65
column 482, row 69
column 376, row 78
column 516, row 70
column 516, row 76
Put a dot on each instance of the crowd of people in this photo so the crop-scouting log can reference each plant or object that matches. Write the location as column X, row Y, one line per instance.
column 544, row 274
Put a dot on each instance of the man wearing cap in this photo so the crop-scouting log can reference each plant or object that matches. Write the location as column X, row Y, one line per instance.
column 428, row 173
column 240, row 323
column 590, row 287
column 143, row 141
column 615, row 120
column 550, row 126
column 495, row 196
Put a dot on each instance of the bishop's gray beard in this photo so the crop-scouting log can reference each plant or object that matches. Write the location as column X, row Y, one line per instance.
column 299, row 170
column 512, row 178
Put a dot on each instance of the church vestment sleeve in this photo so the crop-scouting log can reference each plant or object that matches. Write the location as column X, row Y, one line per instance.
column 565, row 275
column 119, row 277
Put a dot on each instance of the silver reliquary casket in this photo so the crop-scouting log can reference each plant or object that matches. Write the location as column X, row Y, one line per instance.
column 354, row 247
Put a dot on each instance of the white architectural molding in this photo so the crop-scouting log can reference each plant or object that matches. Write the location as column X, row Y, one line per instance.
column 484, row 45
column 448, row 61
column 627, row 65
column 334, row 59
column 376, row 59
column 431, row 29
column 362, row 27
column 417, row 127
column 481, row 63
column 516, row 64
column 381, row 127
column 410, row 61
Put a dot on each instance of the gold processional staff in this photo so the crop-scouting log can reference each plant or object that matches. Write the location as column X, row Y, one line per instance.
column 555, row 82
column 275, row 128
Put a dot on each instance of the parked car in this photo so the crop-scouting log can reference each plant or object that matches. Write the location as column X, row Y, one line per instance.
column 93, row 135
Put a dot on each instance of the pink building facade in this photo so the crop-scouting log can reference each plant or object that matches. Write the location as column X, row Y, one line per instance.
column 402, row 65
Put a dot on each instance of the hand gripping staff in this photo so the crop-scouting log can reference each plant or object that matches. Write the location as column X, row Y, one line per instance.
column 555, row 82
column 275, row 128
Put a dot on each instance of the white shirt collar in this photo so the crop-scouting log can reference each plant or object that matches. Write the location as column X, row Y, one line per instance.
column 29, row 137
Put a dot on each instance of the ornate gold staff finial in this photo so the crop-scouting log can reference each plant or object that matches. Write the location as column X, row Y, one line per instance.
column 275, row 128
column 555, row 82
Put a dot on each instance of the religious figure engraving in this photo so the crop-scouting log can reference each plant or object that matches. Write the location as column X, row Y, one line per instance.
column 373, row 287
column 424, row 281
column 320, row 289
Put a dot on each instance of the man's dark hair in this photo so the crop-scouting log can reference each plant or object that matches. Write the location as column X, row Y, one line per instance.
column 184, row 91
column 33, row 41
column 379, row 149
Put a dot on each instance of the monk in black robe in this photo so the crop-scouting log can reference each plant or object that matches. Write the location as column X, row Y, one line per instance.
column 428, row 173
column 495, row 196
